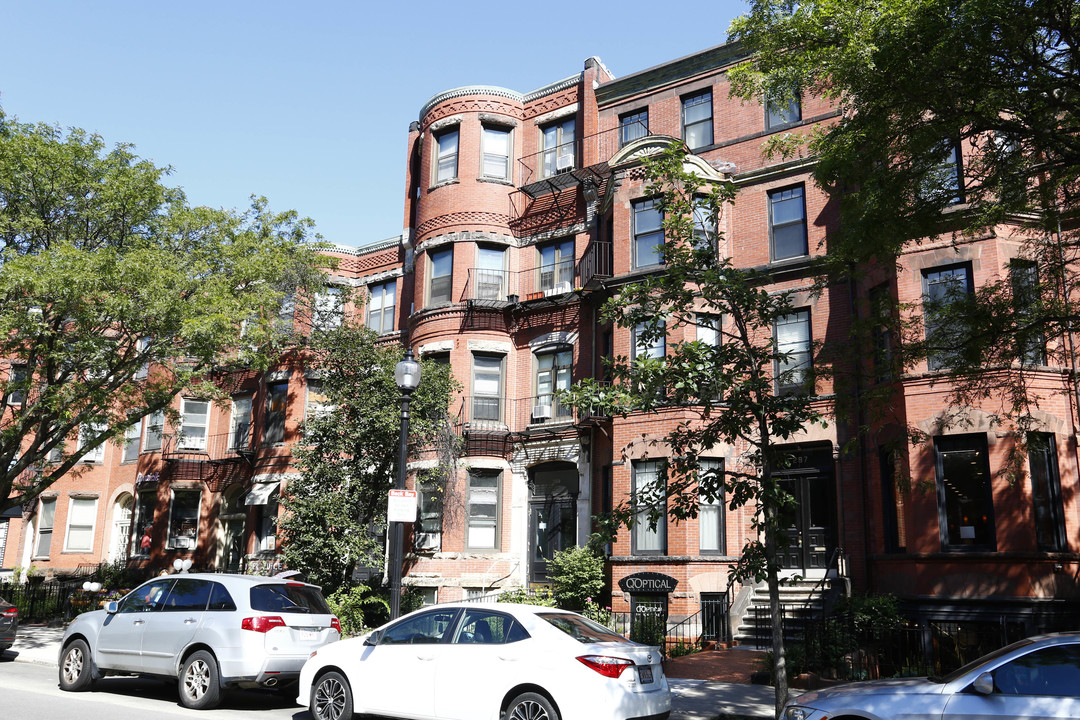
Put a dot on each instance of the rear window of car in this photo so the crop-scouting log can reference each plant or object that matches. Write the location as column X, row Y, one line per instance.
column 288, row 598
column 582, row 629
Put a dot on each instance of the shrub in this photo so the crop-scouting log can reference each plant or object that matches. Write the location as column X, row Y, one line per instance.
column 524, row 596
column 351, row 606
column 577, row 574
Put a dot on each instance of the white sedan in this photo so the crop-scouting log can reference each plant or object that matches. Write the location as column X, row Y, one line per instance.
column 1037, row 678
column 496, row 661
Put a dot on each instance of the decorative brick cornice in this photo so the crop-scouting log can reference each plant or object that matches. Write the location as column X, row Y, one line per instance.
column 474, row 217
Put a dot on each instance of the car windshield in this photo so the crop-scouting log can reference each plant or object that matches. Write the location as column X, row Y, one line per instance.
column 976, row 663
column 582, row 629
column 288, row 598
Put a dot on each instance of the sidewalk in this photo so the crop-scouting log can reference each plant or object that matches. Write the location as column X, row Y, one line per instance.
column 704, row 686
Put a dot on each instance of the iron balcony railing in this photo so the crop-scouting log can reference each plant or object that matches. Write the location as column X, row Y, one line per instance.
column 208, row 448
column 545, row 280
column 488, row 412
column 590, row 150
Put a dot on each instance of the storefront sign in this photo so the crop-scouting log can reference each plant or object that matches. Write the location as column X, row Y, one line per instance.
column 648, row 582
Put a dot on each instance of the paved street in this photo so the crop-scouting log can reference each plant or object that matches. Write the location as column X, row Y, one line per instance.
column 30, row 692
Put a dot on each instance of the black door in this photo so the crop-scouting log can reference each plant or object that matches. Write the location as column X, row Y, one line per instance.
column 811, row 531
column 551, row 525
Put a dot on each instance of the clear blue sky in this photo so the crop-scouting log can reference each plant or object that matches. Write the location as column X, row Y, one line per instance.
column 308, row 103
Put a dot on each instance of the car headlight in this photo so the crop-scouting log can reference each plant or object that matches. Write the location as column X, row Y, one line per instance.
column 795, row 713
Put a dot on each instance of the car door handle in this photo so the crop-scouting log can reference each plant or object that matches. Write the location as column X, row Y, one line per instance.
column 425, row 657
column 191, row 621
column 508, row 658
column 138, row 622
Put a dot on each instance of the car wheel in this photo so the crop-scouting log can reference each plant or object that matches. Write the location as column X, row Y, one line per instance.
column 76, row 674
column 199, row 686
column 530, row 706
column 331, row 698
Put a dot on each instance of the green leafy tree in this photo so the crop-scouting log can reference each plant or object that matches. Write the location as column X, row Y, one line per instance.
column 918, row 86
column 725, row 391
column 115, row 295
column 335, row 512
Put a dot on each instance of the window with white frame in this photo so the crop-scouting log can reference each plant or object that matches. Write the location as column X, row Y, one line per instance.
column 286, row 312
column 496, row 150
column 633, row 125
column 780, row 113
column 266, row 523
column 46, row 514
column 554, row 372
column 381, row 303
column 88, row 433
column 131, row 442
column 80, row 530
column 143, row 348
column 705, row 237
column 648, row 493
column 184, row 519
column 697, row 120
column 792, row 336
column 787, row 223
column 556, row 265
column 487, row 388
column 194, row 421
column 490, row 273
column 711, row 506
column 318, row 402
column 155, row 426
column 559, row 154
column 240, row 423
column 16, row 388
column 648, row 233
column 482, row 523
column 428, row 530
column 440, row 272
column 708, row 329
column 329, row 310
column 446, row 155
column 647, row 344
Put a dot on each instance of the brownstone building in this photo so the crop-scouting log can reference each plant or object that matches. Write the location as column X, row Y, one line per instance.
column 523, row 213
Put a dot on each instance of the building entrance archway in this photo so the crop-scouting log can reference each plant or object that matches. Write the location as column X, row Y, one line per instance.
column 553, row 493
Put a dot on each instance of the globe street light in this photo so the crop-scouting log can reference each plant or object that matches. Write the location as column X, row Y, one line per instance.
column 407, row 376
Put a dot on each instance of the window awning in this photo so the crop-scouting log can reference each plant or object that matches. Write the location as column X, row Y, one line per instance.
column 260, row 492
column 12, row 512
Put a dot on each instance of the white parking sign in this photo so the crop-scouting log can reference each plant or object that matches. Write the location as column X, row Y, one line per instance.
column 401, row 506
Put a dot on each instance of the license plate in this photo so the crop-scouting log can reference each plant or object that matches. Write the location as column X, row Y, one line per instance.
column 645, row 673
column 307, row 634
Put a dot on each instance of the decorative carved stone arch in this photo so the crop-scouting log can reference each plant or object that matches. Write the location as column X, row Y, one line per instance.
column 959, row 420
column 634, row 152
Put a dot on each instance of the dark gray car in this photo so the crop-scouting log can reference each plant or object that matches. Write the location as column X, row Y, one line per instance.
column 9, row 624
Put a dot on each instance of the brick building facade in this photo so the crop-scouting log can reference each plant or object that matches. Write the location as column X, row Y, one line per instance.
column 523, row 213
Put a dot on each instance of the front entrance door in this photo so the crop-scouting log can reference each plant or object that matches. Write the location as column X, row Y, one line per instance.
column 811, row 531
column 552, row 515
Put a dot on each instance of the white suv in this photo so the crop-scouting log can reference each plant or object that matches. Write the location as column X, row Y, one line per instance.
column 210, row 631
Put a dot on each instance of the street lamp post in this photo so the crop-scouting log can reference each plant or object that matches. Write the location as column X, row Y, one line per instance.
column 407, row 376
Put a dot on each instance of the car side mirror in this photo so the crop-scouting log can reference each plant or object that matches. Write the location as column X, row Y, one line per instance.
column 111, row 607
column 984, row 684
column 372, row 639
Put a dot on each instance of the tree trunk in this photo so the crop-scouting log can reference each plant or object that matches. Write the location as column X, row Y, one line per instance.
column 773, row 579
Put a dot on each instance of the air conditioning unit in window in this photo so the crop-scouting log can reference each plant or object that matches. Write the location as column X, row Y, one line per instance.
column 427, row 541
column 541, row 412
column 559, row 289
column 564, row 162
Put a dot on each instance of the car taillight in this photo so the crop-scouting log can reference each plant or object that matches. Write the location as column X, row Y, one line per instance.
column 611, row 667
column 263, row 623
column 11, row 612
column 335, row 624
